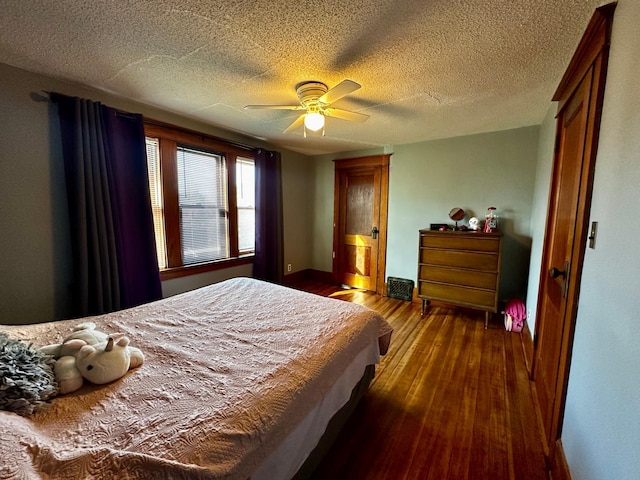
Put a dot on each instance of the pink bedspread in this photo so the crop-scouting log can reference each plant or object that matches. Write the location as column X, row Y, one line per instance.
column 229, row 370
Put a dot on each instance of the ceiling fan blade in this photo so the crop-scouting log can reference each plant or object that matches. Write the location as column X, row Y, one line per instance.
column 274, row 107
column 345, row 114
column 345, row 87
column 297, row 123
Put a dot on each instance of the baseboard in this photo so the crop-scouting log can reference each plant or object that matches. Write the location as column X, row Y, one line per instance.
column 559, row 465
column 320, row 276
column 527, row 347
column 308, row 274
column 295, row 278
column 415, row 297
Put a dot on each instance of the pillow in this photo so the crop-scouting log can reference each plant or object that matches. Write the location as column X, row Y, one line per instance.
column 27, row 379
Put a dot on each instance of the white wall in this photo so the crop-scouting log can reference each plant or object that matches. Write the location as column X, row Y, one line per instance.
column 601, row 434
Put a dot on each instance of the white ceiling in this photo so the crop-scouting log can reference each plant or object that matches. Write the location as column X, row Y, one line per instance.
column 428, row 68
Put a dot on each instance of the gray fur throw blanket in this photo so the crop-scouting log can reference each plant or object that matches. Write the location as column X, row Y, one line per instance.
column 27, row 380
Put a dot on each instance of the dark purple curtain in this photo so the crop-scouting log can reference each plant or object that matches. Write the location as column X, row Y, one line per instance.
column 267, row 264
column 113, row 244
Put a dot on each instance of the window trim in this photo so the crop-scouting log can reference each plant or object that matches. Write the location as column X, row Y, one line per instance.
column 171, row 137
column 194, row 269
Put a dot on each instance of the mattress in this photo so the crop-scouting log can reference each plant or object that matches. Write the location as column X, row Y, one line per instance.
column 235, row 375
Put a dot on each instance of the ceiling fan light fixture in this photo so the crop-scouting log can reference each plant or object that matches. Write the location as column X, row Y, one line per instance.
column 315, row 101
column 314, row 121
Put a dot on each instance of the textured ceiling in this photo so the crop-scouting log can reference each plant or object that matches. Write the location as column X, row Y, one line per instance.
column 428, row 69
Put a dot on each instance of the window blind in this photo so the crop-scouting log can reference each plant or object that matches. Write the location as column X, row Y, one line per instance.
column 155, row 189
column 204, row 226
column 246, row 199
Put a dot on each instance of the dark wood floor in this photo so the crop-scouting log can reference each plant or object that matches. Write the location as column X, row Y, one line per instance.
column 450, row 400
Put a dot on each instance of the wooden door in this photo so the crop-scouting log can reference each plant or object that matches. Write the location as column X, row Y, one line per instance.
column 359, row 225
column 560, row 244
column 580, row 97
column 360, row 222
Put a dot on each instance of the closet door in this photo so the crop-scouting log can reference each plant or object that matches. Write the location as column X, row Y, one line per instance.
column 580, row 96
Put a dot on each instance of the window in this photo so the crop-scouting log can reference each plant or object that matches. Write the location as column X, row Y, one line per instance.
column 155, row 186
column 203, row 201
column 246, row 194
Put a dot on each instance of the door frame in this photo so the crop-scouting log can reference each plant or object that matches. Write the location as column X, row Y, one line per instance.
column 592, row 52
column 381, row 161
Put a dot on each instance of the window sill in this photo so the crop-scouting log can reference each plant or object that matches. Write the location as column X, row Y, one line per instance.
column 176, row 272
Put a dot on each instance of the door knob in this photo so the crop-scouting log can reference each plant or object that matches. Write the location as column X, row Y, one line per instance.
column 374, row 233
column 555, row 273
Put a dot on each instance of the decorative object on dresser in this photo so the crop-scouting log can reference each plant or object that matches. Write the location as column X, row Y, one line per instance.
column 460, row 268
column 456, row 214
column 491, row 220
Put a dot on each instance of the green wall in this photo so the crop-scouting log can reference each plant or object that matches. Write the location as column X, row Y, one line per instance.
column 428, row 179
column 539, row 207
column 508, row 169
column 472, row 172
column 34, row 245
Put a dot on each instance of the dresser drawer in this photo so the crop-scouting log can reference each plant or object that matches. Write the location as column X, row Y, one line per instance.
column 468, row 278
column 461, row 268
column 471, row 242
column 484, row 261
column 472, row 297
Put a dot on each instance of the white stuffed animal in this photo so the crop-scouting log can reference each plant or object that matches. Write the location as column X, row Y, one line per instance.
column 90, row 354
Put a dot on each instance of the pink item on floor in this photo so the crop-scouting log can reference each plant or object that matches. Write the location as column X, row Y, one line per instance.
column 514, row 315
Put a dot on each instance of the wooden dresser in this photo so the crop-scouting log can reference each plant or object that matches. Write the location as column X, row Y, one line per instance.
column 460, row 268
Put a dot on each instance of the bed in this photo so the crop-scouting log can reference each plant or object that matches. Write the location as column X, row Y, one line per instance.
column 240, row 381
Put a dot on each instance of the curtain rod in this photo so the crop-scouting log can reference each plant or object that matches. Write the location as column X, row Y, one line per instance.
column 243, row 146
column 44, row 96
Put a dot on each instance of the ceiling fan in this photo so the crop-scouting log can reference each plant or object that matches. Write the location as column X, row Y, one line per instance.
column 315, row 100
